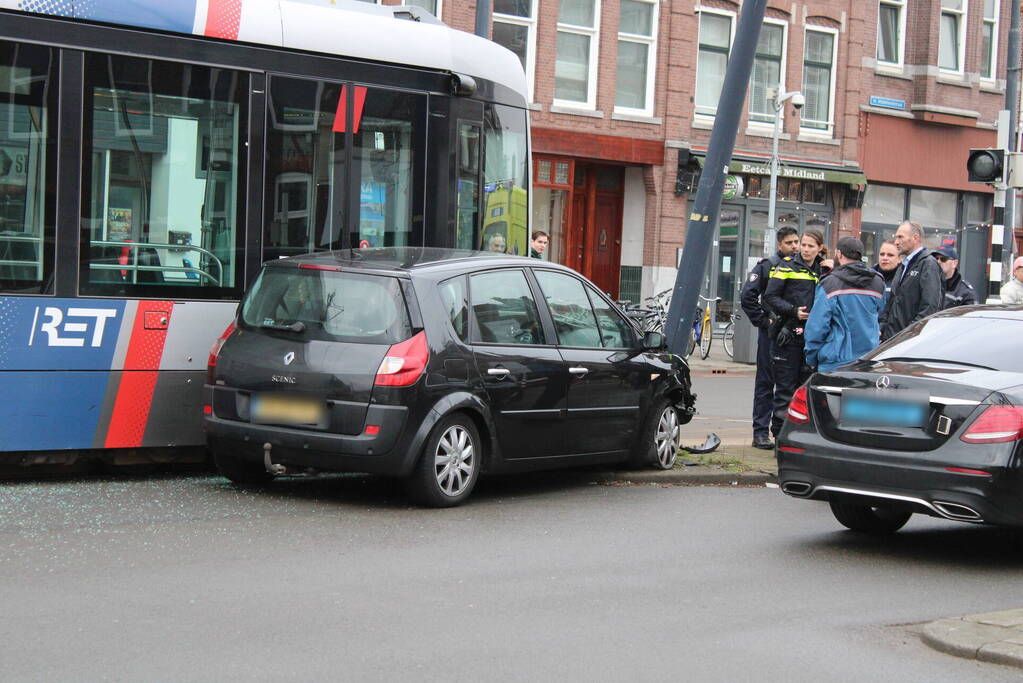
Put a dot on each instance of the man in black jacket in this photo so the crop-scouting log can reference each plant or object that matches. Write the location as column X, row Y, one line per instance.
column 958, row 292
column 919, row 283
column 751, row 299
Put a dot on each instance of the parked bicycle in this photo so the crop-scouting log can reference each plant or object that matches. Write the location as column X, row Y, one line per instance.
column 728, row 336
column 703, row 329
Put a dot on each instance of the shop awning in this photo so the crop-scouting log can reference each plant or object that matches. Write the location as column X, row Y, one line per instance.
column 852, row 176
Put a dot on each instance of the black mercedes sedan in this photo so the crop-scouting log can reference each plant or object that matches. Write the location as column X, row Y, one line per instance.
column 930, row 422
column 435, row 366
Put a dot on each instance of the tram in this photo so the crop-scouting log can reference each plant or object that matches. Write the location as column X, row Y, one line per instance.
column 153, row 154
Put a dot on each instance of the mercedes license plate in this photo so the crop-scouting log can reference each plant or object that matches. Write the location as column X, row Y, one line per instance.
column 288, row 410
column 867, row 410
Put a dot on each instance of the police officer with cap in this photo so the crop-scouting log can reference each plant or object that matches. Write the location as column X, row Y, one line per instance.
column 958, row 292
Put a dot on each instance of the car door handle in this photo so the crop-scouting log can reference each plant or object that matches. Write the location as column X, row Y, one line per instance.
column 578, row 371
column 499, row 373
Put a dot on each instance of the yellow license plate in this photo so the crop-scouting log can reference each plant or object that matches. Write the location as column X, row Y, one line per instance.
column 292, row 410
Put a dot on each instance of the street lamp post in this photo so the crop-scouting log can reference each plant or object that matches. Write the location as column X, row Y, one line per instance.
column 778, row 100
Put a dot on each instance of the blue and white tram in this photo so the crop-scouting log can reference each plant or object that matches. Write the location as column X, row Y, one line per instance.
column 153, row 154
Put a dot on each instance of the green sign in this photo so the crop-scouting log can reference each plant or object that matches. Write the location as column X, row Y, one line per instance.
column 733, row 187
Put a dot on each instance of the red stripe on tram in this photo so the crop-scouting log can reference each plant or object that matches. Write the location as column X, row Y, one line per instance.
column 223, row 18
column 138, row 380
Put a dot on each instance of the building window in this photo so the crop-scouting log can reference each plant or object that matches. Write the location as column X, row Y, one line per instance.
column 767, row 71
column 637, row 57
column 515, row 29
column 715, row 43
column 989, row 38
column 818, row 79
column 950, row 40
column 431, row 6
column 891, row 27
column 575, row 68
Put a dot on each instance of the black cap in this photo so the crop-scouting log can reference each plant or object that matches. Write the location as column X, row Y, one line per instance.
column 947, row 252
column 851, row 248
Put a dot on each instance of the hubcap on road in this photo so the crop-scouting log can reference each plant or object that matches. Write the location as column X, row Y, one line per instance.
column 454, row 460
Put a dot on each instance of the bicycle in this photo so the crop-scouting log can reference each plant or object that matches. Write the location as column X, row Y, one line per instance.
column 703, row 329
column 728, row 336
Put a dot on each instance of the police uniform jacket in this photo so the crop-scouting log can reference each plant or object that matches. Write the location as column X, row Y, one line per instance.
column 751, row 298
column 791, row 285
column 919, row 290
column 958, row 292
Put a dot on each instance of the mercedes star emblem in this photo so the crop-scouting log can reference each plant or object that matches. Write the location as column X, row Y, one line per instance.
column 290, row 356
column 883, row 382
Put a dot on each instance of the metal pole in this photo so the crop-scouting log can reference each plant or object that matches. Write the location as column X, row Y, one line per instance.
column 704, row 215
column 1012, row 104
column 779, row 108
column 483, row 18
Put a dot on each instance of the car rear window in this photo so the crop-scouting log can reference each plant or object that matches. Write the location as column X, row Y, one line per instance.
column 993, row 342
column 331, row 305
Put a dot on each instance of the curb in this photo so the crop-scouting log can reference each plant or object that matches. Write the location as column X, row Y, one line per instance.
column 688, row 476
column 994, row 637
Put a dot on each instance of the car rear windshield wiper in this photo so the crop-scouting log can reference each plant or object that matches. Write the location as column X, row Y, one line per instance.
column 912, row 359
column 297, row 326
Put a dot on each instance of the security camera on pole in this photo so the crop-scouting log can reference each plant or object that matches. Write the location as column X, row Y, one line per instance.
column 778, row 100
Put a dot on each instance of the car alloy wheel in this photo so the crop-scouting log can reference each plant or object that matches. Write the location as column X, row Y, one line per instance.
column 666, row 438
column 454, row 460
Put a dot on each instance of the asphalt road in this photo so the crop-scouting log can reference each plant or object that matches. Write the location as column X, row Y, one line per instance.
column 187, row 578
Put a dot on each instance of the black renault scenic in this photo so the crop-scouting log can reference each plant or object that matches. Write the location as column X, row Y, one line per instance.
column 436, row 366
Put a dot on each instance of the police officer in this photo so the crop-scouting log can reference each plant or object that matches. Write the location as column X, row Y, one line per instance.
column 958, row 292
column 789, row 294
column 751, row 299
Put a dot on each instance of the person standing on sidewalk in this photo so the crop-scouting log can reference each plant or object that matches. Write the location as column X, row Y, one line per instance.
column 919, row 283
column 887, row 266
column 789, row 295
column 1012, row 291
column 751, row 299
column 958, row 292
column 843, row 321
column 538, row 243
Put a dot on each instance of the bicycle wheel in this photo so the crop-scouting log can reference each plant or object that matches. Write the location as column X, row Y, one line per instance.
column 728, row 337
column 691, row 346
column 706, row 337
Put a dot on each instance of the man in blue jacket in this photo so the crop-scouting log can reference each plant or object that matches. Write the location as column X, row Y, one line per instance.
column 843, row 321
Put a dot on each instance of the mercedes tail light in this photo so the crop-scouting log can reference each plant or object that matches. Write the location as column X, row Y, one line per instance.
column 799, row 411
column 996, row 424
column 404, row 362
column 211, row 364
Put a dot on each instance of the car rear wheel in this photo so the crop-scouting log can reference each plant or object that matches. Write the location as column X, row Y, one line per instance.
column 449, row 466
column 244, row 472
column 870, row 519
column 659, row 442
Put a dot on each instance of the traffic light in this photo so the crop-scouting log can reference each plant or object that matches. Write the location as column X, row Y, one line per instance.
column 986, row 166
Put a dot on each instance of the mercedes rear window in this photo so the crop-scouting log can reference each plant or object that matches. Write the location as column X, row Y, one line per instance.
column 968, row 340
column 328, row 305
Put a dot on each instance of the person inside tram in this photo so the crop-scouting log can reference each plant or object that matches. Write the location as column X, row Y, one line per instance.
column 497, row 243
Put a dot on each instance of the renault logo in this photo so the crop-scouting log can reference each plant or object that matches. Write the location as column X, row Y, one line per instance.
column 883, row 382
column 290, row 356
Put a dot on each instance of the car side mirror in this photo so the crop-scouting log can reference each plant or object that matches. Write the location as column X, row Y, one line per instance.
column 653, row 341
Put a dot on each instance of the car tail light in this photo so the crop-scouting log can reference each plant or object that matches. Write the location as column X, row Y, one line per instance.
column 211, row 364
column 799, row 411
column 996, row 424
column 404, row 362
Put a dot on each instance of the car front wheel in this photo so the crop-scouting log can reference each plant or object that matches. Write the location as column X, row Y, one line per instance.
column 659, row 442
column 870, row 519
column 449, row 466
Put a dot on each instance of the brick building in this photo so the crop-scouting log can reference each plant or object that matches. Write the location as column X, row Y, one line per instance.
column 623, row 100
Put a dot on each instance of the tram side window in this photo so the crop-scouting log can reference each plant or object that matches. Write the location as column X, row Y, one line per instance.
column 28, row 108
column 310, row 188
column 506, row 175
column 162, row 174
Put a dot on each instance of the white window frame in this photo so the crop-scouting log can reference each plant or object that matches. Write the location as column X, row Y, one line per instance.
column 703, row 116
column 828, row 132
column 902, row 5
column 591, row 81
column 995, row 25
column 961, row 38
column 651, row 67
column 530, row 25
column 781, row 74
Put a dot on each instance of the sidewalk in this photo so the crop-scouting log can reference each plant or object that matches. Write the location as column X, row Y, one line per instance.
column 995, row 637
column 718, row 363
